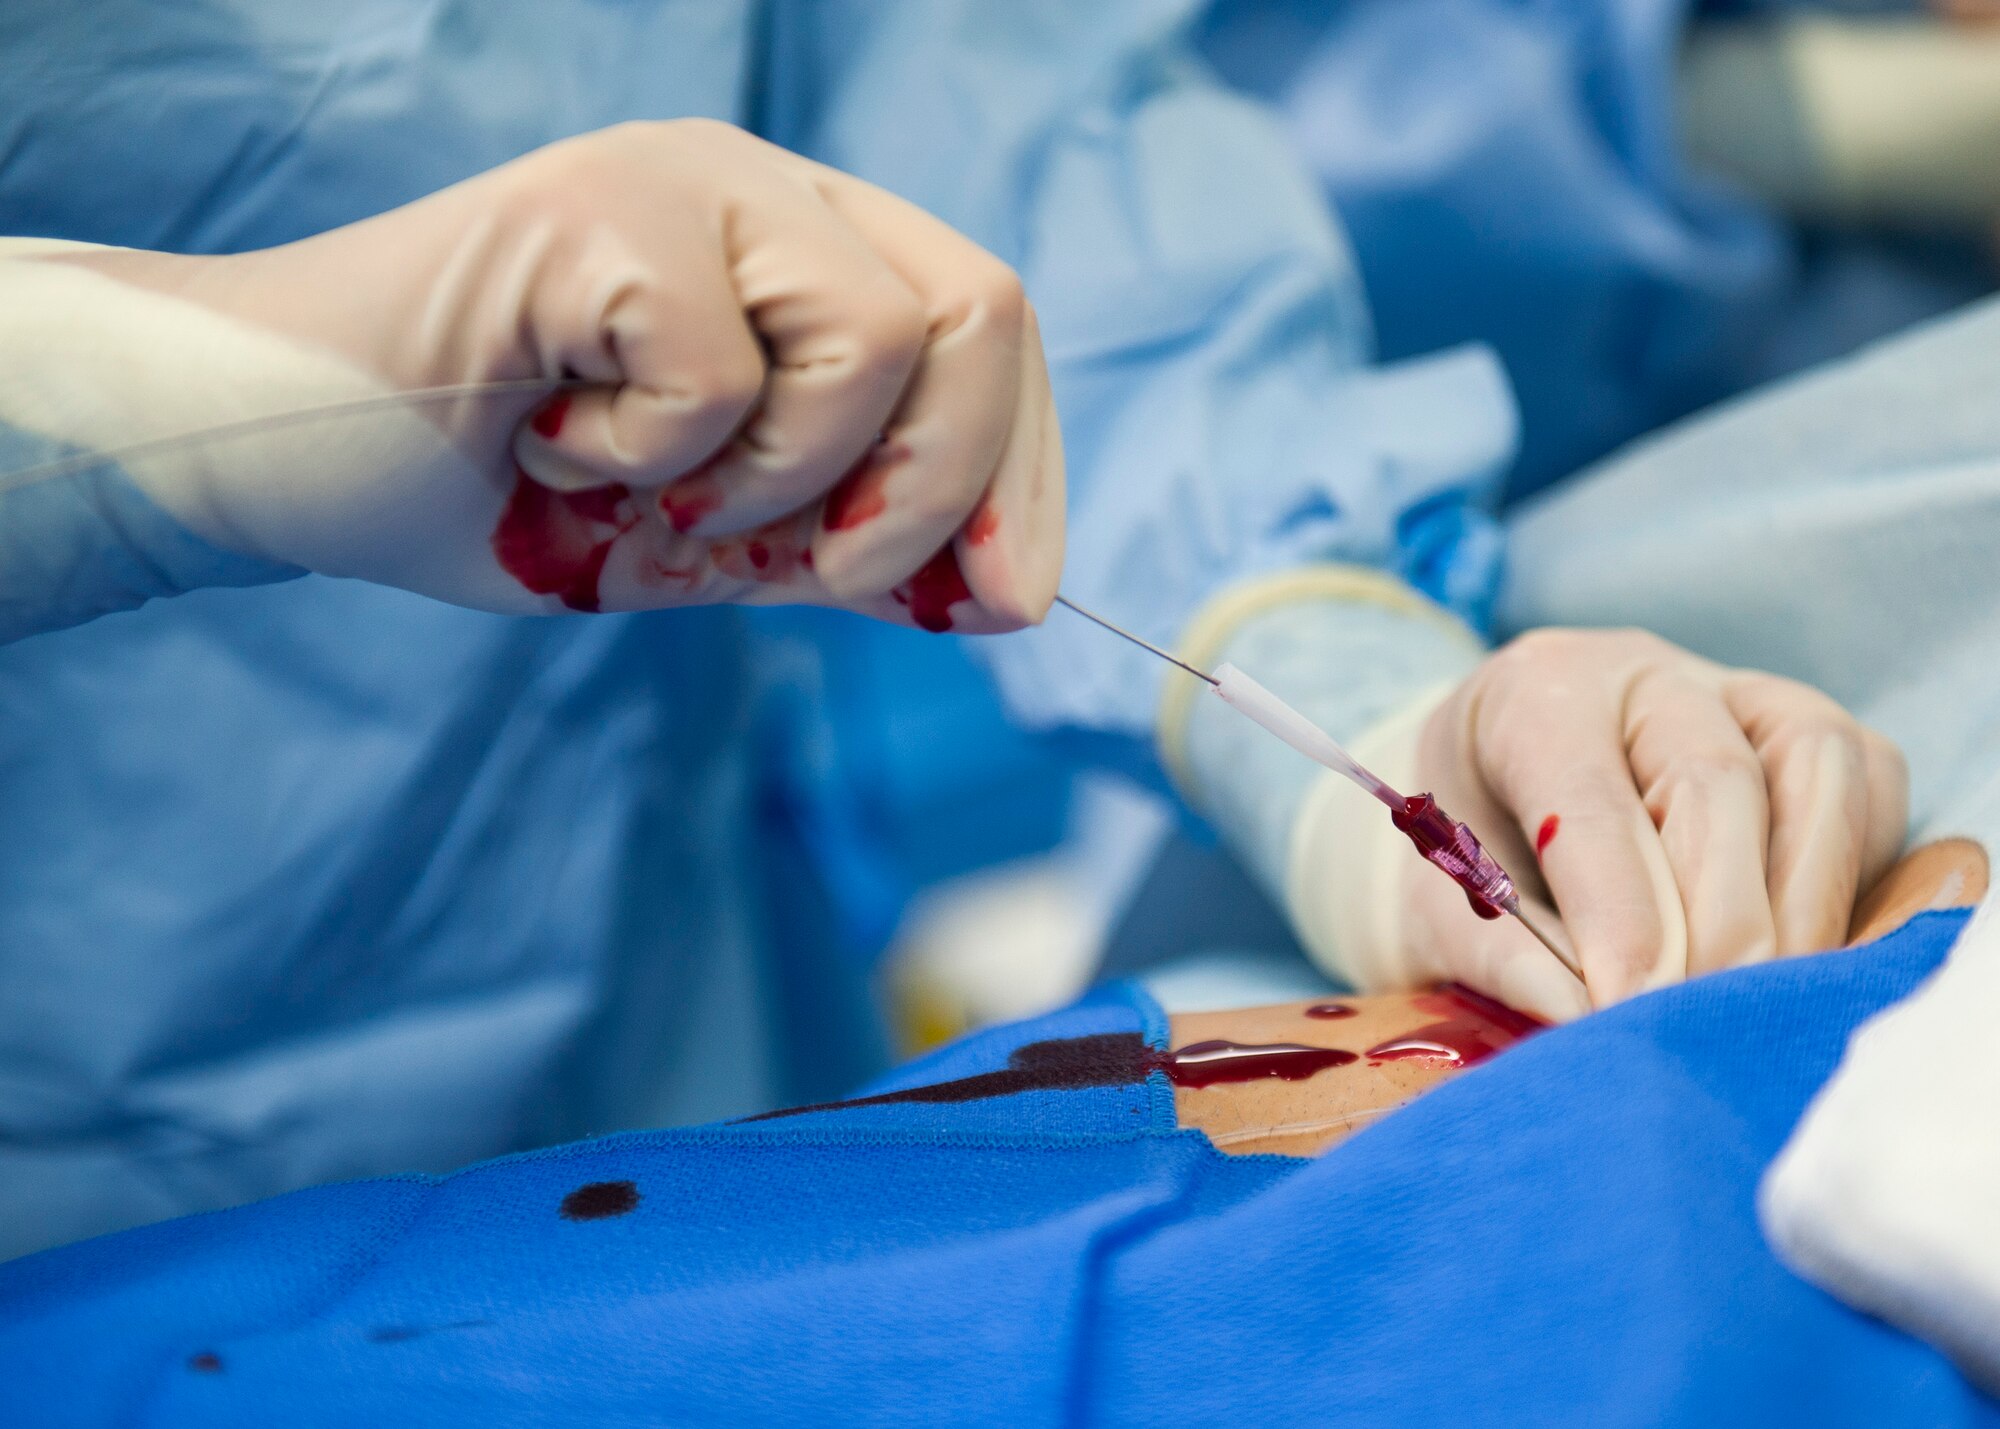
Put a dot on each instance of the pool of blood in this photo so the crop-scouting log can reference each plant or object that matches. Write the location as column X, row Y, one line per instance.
column 933, row 591
column 1470, row 1027
column 1205, row 1064
column 1435, row 834
column 1108, row 1059
column 556, row 542
column 1329, row 1010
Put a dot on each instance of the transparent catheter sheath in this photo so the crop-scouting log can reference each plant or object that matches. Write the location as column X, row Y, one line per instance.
column 1259, row 704
column 1448, row 844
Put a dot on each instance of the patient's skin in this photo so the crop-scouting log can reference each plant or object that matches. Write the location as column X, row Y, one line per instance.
column 1305, row 1117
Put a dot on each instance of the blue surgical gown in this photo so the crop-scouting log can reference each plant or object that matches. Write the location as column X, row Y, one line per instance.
column 313, row 879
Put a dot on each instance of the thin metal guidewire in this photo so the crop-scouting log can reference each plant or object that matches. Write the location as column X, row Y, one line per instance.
column 1142, row 644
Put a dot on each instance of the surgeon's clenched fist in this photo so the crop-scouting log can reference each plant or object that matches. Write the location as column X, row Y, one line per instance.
column 731, row 374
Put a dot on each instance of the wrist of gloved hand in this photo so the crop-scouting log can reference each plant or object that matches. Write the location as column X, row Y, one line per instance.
column 210, row 418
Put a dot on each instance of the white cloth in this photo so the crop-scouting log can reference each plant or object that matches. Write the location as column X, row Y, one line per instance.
column 1886, row 1195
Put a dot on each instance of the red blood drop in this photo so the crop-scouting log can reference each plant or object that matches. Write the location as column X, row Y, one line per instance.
column 984, row 525
column 806, row 559
column 1546, row 834
column 548, row 422
column 1329, row 1009
column 759, row 554
column 1472, row 1027
column 555, row 542
column 933, row 591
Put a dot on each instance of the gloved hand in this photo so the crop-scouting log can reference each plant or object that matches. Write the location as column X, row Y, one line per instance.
column 1683, row 817
column 792, row 386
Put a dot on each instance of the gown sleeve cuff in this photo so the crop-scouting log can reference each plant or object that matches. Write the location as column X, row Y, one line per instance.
column 1348, row 646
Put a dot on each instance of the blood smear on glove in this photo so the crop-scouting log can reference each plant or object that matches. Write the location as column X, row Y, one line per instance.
column 862, row 494
column 547, row 423
column 1471, row 1027
column 933, row 591
column 556, row 542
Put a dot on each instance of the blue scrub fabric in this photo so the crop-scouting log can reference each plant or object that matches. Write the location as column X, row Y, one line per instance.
column 385, row 885
column 1563, row 1236
column 1510, row 173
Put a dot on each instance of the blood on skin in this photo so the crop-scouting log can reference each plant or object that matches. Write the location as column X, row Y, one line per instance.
column 984, row 525
column 758, row 552
column 1470, row 1028
column 1546, row 834
column 1329, row 1010
column 556, row 542
column 933, row 591
column 548, row 422
column 1106, row 1059
column 1205, row 1064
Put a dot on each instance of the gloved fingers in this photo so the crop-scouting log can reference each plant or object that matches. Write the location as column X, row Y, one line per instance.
column 1816, row 767
column 1704, row 786
column 974, row 404
column 1888, row 807
column 1012, row 548
column 774, row 563
column 1547, row 743
column 936, row 598
column 674, row 366
column 1499, row 957
column 1000, row 571
column 847, row 333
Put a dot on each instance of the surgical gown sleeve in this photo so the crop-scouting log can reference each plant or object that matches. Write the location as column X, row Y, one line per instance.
column 1225, row 424
column 78, row 539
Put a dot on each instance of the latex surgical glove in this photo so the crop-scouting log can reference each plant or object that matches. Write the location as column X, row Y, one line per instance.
column 1680, row 816
column 794, row 387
